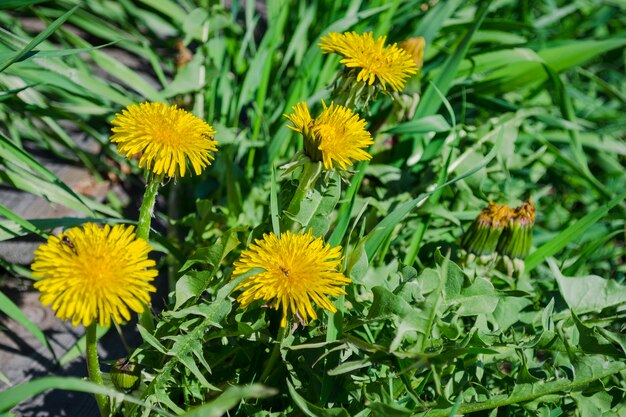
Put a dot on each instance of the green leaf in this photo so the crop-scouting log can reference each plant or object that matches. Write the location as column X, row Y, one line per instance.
column 168, row 8
column 452, row 276
column 511, row 69
column 183, row 350
column 4, row 379
column 312, row 410
column 13, row 228
column 588, row 293
column 274, row 213
column 578, row 52
column 53, row 53
column 388, row 410
column 229, row 399
column 188, row 79
column 118, row 70
column 350, row 367
column 24, row 226
column 594, row 405
column 434, row 123
column 428, row 27
column 193, row 284
column 591, row 341
column 330, row 194
column 27, row 174
column 479, row 298
column 507, row 311
column 13, row 4
column 151, row 340
column 386, row 305
column 586, row 371
column 307, row 197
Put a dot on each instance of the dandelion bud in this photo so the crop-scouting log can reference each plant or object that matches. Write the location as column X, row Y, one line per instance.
column 125, row 375
column 517, row 237
column 482, row 236
column 415, row 47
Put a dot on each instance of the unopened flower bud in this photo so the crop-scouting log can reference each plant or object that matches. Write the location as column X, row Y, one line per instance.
column 125, row 375
column 517, row 237
column 482, row 236
column 415, row 47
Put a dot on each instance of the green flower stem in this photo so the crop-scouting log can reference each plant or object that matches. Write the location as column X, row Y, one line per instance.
column 147, row 207
column 93, row 367
column 333, row 331
column 269, row 366
column 143, row 232
column 310, row 173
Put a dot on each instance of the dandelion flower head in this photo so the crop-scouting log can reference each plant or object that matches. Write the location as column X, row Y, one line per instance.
column 166, row 138
column 297, row 270
column 375, row 61
column 93, row 274
column 337, row 136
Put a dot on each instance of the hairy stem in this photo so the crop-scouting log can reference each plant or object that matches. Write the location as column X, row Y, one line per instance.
column 93, row 368
column 143, row 232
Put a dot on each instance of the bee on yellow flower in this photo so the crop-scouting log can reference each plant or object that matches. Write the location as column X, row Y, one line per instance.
column 95, row 274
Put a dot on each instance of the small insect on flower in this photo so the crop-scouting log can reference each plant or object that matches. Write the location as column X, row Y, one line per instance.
column 297, row 270
column 93, row 273
column 167, row 138
column 68, row 242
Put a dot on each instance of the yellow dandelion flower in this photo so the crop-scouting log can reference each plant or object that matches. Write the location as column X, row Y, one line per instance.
column 297, row 269
column 92, row 274
column 337, row 136
column 166, row 137
column 387, row 64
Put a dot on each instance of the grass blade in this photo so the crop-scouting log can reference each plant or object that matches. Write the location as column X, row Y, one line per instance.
column 15, row 395
column 571, row 233
column 13, row 311
column 431, row 100
column 38, row 39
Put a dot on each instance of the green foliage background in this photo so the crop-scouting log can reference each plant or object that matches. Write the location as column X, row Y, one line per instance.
column 518, row 99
